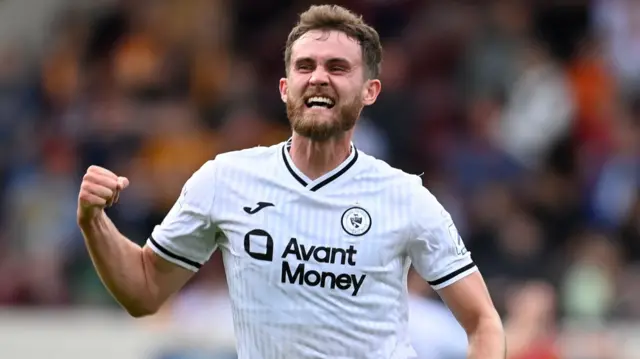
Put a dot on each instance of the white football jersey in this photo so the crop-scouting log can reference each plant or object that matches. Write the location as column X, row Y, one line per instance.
column 315, row 268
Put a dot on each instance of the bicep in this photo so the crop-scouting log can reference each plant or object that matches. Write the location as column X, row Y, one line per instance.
column 163, row 278
column 469, row 300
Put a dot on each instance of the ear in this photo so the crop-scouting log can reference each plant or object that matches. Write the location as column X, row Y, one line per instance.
column 283, row 89
column 370, row 91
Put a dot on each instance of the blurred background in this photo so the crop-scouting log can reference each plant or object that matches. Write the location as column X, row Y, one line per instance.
column 524, row 117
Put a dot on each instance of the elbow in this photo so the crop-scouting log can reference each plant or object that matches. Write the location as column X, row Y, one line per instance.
column 494, row 323
column 138, row 312
column 487, row 338
column 487, row 324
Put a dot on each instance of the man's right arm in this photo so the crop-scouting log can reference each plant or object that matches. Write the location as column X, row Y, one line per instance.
column 137, row 278
column 142, row 279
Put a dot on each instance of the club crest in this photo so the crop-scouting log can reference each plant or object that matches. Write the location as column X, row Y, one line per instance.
column 356, row 221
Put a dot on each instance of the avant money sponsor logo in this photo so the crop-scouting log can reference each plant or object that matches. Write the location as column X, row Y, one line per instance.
column 298, row 257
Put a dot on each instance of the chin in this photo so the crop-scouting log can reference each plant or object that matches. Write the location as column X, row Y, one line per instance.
column 317, row 137
column 316, row 129
column 323, row 117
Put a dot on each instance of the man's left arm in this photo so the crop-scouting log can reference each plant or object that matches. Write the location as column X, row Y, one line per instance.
column 469, row 301
column 439, row 255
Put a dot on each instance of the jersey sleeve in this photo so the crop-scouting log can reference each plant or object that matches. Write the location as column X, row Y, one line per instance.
column 436, row 249
column 186, row 236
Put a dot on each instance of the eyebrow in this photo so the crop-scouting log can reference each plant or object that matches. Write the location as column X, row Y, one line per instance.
column 303, row 60
column 339, row 60
column 333, row 60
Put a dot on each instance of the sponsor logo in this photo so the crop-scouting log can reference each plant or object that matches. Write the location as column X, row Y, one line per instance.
column 298, row 259
column 260, row 206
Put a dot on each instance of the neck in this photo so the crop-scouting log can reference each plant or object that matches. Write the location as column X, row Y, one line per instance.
column 316, row 158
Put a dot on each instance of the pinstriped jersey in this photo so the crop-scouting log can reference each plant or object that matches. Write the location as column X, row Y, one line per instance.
column 315, row 268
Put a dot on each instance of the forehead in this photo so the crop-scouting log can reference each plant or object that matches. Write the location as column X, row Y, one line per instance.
column 323, row 45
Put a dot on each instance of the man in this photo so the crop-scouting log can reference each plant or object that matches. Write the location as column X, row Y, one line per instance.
column 316, row 236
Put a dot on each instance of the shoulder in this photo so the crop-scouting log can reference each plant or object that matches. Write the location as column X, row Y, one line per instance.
column 239, row 162
column 385, row 175
column 253, row 154
column 251, row 160
column 406, row 189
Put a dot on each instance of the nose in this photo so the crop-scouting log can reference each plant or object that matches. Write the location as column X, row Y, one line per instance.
column 319, row 77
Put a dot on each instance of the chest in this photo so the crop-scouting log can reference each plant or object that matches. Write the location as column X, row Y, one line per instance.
column 338, row 233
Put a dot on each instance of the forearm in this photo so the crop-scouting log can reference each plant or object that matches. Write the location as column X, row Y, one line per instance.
column 119, row 263
column 487, row 339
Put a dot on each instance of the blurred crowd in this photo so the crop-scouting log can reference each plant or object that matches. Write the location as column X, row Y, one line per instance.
column 524, row 120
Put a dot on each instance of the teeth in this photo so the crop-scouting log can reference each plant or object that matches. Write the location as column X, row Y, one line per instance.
column 326, row 100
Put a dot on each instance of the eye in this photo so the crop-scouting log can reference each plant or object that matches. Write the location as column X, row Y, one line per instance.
column 304, row 67
column 337, row 69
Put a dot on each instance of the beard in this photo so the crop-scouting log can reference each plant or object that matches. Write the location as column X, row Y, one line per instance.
column 313, row 125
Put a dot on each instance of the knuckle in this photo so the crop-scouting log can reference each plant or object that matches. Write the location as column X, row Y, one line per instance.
column 92, row 176
column 84, row 197
column 86, row 186
column 108, row 188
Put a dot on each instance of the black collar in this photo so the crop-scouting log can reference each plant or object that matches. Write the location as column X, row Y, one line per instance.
column 325, row 179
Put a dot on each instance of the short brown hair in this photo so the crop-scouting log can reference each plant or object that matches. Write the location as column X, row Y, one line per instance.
column 334, row 17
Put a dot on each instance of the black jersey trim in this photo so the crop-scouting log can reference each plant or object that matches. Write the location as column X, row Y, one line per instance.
column 339, row 173
column 173, row 255
column 452, row 274
column 286, row 163
column 325, row 182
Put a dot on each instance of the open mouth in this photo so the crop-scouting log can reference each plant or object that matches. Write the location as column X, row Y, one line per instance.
column 319, row 102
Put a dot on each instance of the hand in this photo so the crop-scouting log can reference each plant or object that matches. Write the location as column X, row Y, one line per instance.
column 100, row 188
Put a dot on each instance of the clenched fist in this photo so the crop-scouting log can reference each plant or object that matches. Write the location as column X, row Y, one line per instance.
column 100, row 188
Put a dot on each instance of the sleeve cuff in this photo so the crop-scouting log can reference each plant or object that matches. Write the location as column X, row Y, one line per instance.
column 454, row 276
column 172, row 257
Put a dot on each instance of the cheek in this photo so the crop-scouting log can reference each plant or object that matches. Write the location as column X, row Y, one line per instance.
column 294, row 89
column 356, row 94
column 297, row 81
